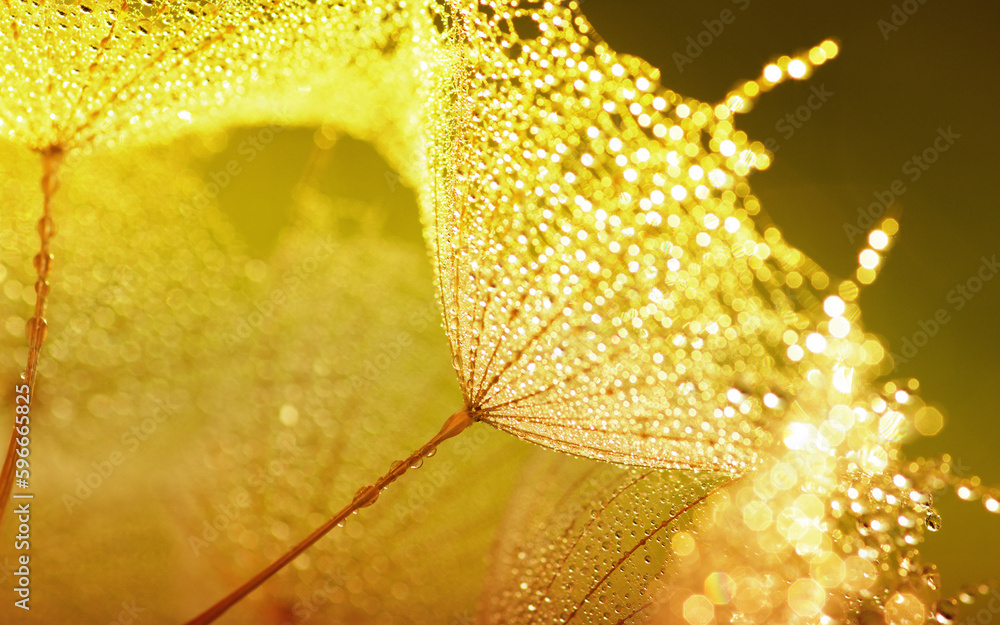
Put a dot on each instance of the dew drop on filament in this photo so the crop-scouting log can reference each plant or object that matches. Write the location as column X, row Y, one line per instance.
column 43, row 328
column 933, row 521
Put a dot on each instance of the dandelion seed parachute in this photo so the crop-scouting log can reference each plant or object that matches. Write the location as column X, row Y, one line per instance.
column 605, row 290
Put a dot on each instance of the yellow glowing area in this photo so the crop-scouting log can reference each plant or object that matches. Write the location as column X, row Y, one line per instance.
column 817, row 55
column 828, row 570
column 833, row 306
column 869, row 259
column 905, row 609
column 806, row 597
column 816, row 342
column 878, row 239
column 798, row 435
column 797, row 69
column 602, row 281
column 840, row 327
column 698, row 610
column 866, row 275
column 719, row 588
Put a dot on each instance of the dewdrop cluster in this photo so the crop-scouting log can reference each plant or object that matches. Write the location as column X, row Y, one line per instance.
column 604, row 287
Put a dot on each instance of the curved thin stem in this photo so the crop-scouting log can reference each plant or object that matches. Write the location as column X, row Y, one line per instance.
column 36, row 329
column 365, row 497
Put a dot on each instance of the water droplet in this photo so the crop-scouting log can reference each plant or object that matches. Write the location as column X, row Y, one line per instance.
column 967, row 490
column 991, row 502
column 865, row 527
column 946, row 612
column 431, row 453
column 419, row 462
column 967, row 595
column 29, row 329
column 933, row 521
column 366, row 496
column 43, row 263
column 931, row 577
column 46, row 227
